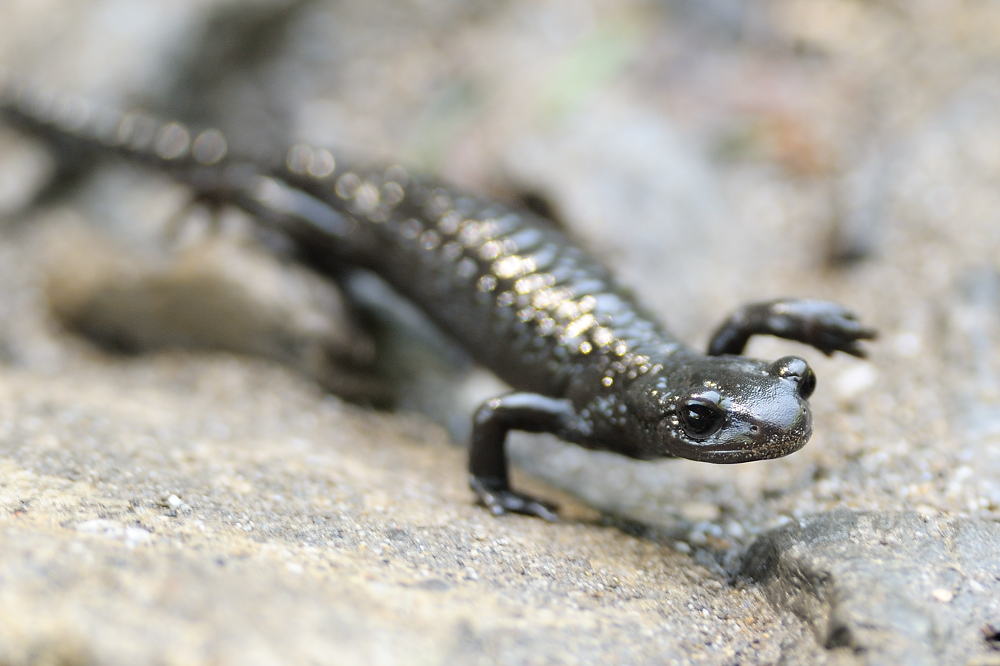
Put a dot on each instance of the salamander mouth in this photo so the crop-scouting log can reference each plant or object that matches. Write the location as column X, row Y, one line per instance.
column 729, row 452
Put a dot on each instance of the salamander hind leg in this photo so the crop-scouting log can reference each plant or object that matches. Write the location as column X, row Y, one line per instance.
column 827, row 326
column 488, row 469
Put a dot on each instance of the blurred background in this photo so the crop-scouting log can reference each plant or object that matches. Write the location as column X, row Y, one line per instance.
column 712, row 152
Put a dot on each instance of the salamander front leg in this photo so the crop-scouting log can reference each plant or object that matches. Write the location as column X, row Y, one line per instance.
column 826, row 326
column 488, row 476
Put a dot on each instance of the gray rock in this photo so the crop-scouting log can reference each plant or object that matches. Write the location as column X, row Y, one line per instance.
column 210, row 295
column 197, row 507
column 893, row 588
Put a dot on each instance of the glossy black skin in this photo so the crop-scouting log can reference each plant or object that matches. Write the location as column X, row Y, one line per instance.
column 586, row 362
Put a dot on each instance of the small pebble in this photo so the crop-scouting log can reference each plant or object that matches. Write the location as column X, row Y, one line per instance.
column 854, row 381
column 697, row 512
column 907, row 344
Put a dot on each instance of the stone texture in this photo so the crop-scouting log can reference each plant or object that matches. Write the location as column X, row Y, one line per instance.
column 712, row 153
column 892, row 588
column 195, row 509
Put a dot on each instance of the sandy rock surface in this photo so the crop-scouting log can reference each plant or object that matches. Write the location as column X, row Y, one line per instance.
column 215, row 505
column 211, row 510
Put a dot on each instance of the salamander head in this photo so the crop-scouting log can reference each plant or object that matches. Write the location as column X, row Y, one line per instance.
column 730, row 409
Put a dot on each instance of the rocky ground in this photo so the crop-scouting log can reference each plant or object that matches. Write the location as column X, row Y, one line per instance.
column 191, row 469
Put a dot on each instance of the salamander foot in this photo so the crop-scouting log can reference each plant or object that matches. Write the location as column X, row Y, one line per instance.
column 826, row 326
column 504, row 500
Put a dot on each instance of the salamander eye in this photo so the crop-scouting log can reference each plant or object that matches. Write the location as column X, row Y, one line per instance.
column 797, row 370
column 807, row 384
column 699, row 419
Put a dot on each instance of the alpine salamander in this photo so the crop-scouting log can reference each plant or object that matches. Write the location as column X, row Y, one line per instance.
column 586, row 361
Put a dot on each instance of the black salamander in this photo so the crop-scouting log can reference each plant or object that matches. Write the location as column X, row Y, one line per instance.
column 587, row 362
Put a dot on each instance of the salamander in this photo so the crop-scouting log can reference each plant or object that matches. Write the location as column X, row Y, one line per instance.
column 585, row 360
